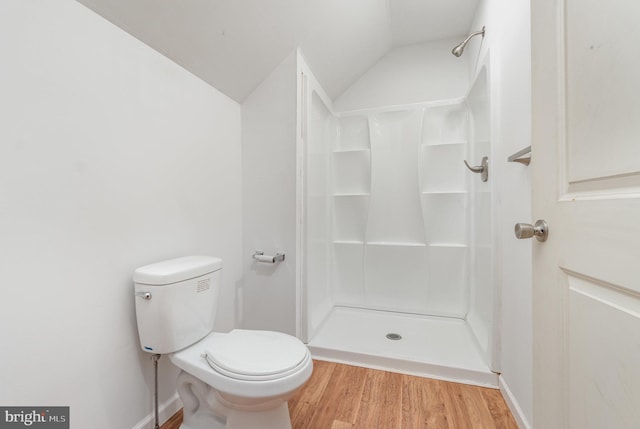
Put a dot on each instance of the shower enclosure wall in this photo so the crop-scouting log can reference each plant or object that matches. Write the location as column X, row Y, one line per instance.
column 397, row 236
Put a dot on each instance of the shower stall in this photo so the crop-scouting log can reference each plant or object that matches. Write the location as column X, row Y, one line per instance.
column 396, row 242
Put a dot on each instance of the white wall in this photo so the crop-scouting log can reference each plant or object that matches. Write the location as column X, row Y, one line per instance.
column 268, row 293
column 409, row 74
column 112, row 157
column 507, row 41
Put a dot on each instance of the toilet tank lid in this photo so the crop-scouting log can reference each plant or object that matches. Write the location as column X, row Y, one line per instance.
column 176, row 270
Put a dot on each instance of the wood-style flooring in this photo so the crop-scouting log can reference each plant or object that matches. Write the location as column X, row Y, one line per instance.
column 174, row 422
column 343, row 396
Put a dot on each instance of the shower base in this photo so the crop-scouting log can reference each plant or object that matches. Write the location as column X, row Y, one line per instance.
column 434, row 347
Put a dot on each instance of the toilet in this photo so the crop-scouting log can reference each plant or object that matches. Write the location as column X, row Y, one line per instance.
column 236, row 380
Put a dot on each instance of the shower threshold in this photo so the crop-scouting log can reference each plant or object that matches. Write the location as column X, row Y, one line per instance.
column 434, row 347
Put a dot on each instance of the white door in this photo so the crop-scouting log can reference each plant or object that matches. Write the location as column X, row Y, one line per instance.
column 586, row 185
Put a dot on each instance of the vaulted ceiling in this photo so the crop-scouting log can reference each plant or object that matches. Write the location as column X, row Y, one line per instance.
column 235, row 44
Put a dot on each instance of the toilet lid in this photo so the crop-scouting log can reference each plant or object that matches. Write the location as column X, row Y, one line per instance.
column 256, row 355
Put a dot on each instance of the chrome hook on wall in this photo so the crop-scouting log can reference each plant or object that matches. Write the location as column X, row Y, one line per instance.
column 483, row 168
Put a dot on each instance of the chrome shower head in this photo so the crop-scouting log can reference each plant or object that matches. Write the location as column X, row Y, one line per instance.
column 459, row 49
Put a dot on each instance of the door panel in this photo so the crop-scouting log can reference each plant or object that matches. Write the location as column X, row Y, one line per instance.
column 586, row 184
column 602, row 110
column 602, row 355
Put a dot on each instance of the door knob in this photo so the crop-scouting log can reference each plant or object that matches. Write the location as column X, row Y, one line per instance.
column 525, row 230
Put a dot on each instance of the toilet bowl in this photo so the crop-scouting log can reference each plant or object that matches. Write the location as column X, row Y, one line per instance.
column 241, row 380
column 236, row 380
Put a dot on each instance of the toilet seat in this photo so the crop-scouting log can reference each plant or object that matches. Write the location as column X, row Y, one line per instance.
column 256, row 355
column 191, row 360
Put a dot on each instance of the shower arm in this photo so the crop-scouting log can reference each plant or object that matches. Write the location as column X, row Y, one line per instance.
column 459, row 49
column 470, row 36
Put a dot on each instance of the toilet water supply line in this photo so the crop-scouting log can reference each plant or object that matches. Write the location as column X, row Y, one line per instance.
column 155, row 359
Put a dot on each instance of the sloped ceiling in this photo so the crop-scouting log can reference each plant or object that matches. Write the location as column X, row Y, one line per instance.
column 235, row 44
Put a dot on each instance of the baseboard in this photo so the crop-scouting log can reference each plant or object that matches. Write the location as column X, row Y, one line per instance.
column 165, row 411
column 513, row 405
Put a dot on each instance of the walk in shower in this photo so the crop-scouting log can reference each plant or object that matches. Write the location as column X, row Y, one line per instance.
column 397, row 268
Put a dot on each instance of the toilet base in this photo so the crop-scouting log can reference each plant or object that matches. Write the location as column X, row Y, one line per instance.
column 204, row 408
column 276, row 418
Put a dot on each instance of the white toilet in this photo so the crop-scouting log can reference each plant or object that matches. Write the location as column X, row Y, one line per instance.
column 238, row 380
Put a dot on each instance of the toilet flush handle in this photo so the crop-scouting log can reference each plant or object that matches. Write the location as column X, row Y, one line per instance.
column 144, row 295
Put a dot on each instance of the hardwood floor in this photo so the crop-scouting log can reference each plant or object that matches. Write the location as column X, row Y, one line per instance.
column 345, row 397
column 174, row 422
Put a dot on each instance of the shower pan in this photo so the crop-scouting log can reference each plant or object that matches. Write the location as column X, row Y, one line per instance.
column 397, row 243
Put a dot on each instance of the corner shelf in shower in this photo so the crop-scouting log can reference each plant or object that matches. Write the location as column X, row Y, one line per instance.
column 448, row 245
column 351, row 171
column 351, row 194
column 453, row 192
column 395, row 243
column 444, row 143
column 350, row 150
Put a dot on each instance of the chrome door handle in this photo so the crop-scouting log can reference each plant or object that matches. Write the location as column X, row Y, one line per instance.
column 525, row 230
column 483, row 168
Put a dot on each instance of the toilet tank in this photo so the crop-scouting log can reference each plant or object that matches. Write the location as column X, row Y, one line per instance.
column 176, row 302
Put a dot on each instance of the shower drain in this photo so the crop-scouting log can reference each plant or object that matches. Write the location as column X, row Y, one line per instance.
column 395, row 337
